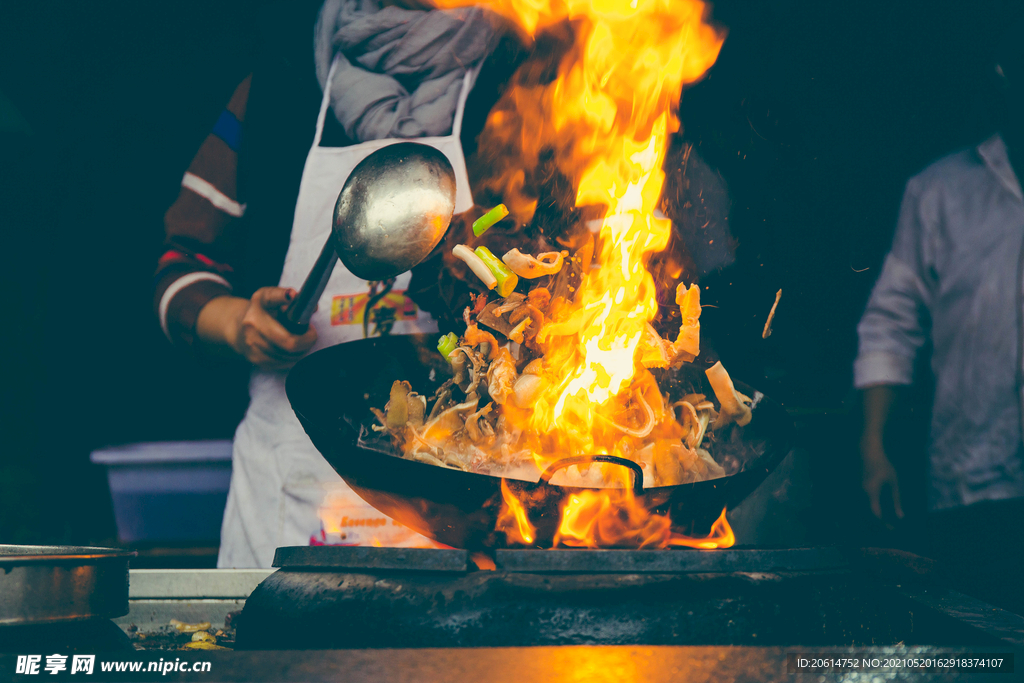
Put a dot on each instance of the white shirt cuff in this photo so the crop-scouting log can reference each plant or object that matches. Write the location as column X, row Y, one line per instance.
column 180, row 284
column 880, row 367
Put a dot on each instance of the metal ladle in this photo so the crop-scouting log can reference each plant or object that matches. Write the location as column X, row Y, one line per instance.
column 392, row 211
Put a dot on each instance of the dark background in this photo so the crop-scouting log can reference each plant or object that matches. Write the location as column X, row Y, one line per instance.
column 815, row 114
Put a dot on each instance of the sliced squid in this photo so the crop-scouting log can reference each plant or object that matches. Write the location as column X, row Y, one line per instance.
column 530, row 267
column 734, row 404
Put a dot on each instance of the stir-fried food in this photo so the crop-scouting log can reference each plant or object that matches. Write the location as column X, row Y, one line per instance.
column 485, row 418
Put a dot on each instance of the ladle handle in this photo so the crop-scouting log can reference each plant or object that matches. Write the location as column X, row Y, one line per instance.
column 296, row 317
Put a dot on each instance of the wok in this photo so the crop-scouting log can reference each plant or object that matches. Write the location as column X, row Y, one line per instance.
column 332, row 390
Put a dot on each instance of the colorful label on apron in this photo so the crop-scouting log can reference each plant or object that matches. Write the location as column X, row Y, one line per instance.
column 350, row 309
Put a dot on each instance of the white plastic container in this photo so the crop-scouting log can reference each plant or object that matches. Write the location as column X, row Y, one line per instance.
column 171, row 491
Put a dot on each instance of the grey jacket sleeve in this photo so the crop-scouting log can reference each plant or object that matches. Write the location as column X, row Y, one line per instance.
column 894, row 325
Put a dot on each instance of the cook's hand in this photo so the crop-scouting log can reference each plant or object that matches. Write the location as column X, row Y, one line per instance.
column 249, row 327
column 878, row 474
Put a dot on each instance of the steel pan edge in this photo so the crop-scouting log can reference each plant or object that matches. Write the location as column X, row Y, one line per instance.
column 54, row 584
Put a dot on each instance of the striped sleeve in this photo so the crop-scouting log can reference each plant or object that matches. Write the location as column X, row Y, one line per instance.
column 195, row 264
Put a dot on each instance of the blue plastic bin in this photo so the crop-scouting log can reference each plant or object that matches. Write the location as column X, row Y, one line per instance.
column 172, row 491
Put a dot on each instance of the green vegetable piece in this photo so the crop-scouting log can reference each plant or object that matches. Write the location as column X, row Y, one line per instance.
column 447, row 344
column 484, row 223
column 507, row 280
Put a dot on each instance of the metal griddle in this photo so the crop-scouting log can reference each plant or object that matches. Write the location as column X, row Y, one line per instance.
column 346, row 597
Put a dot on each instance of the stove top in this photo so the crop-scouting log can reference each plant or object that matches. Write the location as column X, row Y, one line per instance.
column 337, row 597
column 561, row 561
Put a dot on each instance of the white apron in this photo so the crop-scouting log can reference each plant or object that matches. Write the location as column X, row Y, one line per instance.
column 283, row 492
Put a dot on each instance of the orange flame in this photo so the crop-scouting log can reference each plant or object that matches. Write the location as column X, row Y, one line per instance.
column 513, row 520
column 610, row 519
column 721, row 536
column 605, row 123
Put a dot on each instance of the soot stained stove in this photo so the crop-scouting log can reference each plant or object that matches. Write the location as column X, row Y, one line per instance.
column 337, row 597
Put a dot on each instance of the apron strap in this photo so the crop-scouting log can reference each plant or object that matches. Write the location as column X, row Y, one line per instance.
column 460, row 108
column 325, row 103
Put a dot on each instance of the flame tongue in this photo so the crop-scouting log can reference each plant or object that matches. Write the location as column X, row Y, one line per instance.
column 605, row 122
column 606, row 119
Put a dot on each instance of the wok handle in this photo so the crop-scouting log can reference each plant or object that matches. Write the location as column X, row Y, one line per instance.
column 638, row 473
column 296, row 317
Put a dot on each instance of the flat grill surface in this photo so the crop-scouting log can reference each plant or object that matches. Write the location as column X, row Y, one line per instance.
column 564, row 561
column 335, row 597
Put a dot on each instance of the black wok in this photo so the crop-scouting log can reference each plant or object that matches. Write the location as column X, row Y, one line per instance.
column 332, row 390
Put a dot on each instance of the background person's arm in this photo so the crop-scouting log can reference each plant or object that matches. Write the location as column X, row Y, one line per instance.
column 878, row 474
column 891, row 331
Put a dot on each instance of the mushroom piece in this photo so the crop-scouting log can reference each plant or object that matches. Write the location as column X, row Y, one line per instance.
column 493, row 314
column 478, row 428
column 442, row 397
column 398, row 407
column 460, row 367
column 501, row 377
column 511, row 303
column 417, row 407
column 530, row 267
column 429, row 459
column 449, row 421
column 381, row 417
column 467, row 377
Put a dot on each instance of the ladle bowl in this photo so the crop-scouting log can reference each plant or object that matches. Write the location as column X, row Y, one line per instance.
column 392, row 211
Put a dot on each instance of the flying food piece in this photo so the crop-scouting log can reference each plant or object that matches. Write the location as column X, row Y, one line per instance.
column 506, row 280
column 687, row 344
column 530, row 267
column 654, row 351
column 475, row 264
column 771, row 316
column 734, row 404
column 484, row 223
